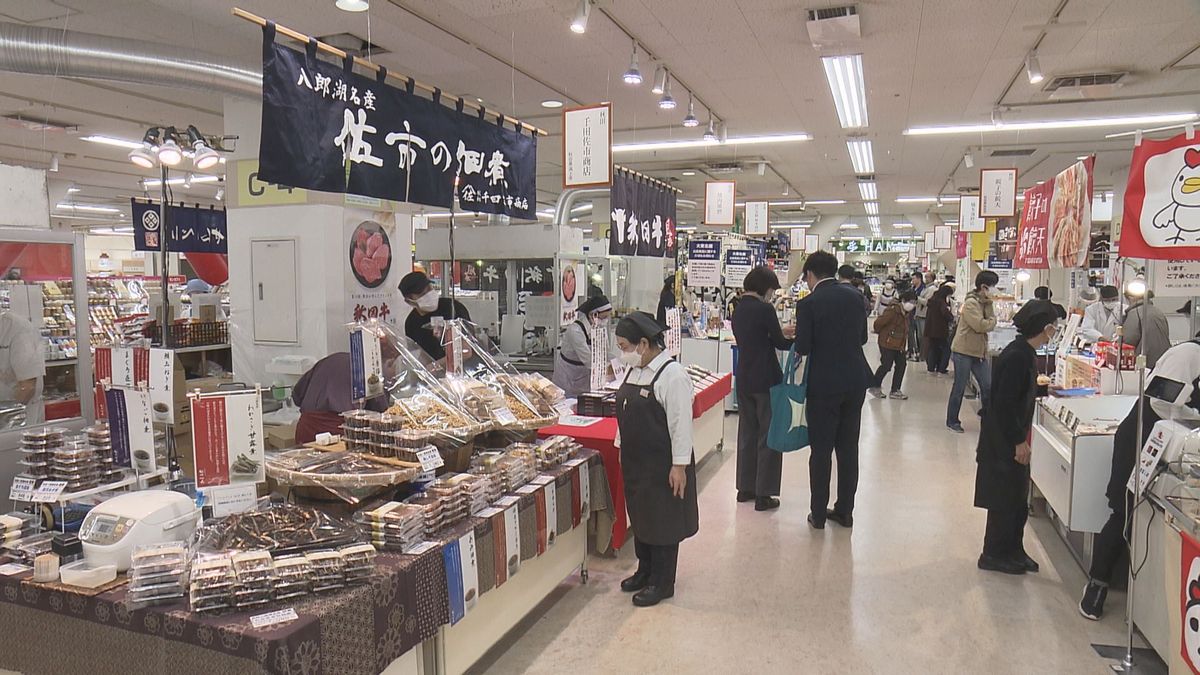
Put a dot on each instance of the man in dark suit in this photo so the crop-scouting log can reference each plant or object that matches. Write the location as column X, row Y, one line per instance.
column 831, row 328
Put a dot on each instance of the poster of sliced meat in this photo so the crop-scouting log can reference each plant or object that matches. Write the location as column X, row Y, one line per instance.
column 642, row 222
column 1162, row 201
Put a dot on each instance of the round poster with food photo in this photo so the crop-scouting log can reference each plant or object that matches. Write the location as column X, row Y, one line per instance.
column 370, row 254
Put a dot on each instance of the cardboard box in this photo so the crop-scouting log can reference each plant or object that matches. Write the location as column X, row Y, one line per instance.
column 280, row 436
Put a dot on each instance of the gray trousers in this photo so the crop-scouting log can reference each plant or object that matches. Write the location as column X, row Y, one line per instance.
column 758, row 467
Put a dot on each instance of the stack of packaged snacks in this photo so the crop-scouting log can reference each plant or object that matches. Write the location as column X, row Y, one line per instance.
column 328, row 570
column 433, row 512
column 253, row 578
column 395, row 525
column 37, row 451
column 508, row 470
column 76, row 463
column 158, row 574
column 210, row 586
column 293, row 576
column 356, row 429
column 16, row 526
column 99, row 439
column 358, row 562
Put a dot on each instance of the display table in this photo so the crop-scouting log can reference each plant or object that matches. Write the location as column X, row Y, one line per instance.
column 368, row 628
column 708, row 430
column 714, row 355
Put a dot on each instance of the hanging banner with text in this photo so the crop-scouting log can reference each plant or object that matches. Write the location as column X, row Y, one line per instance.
column 366, row 364
column 997, row 193
column 642, row 222
column 969, row 219
column 131, row 427
column 227, row 439
column 192, row 229
column 1056, row 222
column 587, row 147
column 1161, row 220
column 327, row 128
column 572, row 285
column 719, row 197
column 756, row 217
column 704, row 263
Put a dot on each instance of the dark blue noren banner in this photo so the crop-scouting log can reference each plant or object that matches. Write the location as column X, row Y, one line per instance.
column 197, row 229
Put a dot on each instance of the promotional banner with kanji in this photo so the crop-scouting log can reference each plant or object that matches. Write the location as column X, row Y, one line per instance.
column 1189, row 601
column 1162, row 201
column 1056, row 222
column 643, row 218
column 191, row 229
column 327, row 128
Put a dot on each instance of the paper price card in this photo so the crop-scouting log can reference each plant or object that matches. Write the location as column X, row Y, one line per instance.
column 22, row 489
column 49, row 491
column 430, row 459
column 273, row 618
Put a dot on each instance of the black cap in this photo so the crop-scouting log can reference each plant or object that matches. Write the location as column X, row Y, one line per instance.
column 413, row 283
column 595, row 303
column 1108, row 293
column 1034, row 316
column 638, row 325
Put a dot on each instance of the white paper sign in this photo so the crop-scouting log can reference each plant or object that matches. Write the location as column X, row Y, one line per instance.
column 969, row 219
column 578, row 420
column 420, row 222
column 812, row 243
column 22, row 489
column 272, row 618
column 512, row 537
column 920, row 249
column 470, row 570
column 756, row 217
column 162, row 385
column 585, row 491
column 719, row 196
column 232, row 499
column 366, row 364
column 1152, row 452
column 998, row 193
column 122, row 367
column 943, row 237
column 587, row 146
column 674, row 335
column 738, row 263
column 704, row 263
column 599, row 371
column 796, row 238
column 430, row 459
column 930, row 242
column 140, row 416
column 1176, row 278
column 49, row 491
column 550, row 501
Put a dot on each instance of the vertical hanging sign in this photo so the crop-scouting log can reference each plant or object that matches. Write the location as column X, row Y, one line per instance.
column 738, row 263
column 366, row 364
column 587, row 147
column 812, row 243
column 943, row 238
column 969, row 219
column 756, row 217
column 129, row 422
column 599, row 357
column 719, row 197
column 998, row 193
column 162, row 384
column 674, row 335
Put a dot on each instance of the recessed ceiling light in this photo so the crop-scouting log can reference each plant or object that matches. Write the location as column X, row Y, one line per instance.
column 902, row 225
column 1043, row 125
column 689, row 173
column 352, row 5
column 845, row 77
column 579, row 25
column 552, row 103
column 700, row 143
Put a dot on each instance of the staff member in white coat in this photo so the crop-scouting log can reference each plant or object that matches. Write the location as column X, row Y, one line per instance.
column 654, row 432
column 573, row 359
column 22, row 366
column 1102, row 319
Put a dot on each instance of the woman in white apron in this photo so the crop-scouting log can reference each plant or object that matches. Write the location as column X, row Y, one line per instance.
column 654, row 421
column 573, row 358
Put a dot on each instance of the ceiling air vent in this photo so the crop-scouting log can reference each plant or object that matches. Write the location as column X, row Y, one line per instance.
column 833, row 26
column 32, row 122
column 724, row 167
column 1090, row 85
column 1015, row 152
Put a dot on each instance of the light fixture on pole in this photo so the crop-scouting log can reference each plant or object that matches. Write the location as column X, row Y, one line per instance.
column 633, row 76
column 691, row 121
column 667, row 102
column 187, row 180
column 352, row 5
column 660, row 80
column 722, row 132
column 54, row 163
column 1033, row 69
column 169, row 152
column 710, row 134
column 786, row 189
column 1023, row 276
column 145, row 156
column 203, row 157
column 1136, row 287
column 579, row 25
column 220, row 193
column 968, row 160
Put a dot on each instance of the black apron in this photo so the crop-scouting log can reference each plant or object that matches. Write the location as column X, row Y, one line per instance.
column 658, row 517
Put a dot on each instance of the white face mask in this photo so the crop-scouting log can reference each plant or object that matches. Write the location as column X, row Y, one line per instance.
column 888, row 286
column 428, row 302
column 908, row 306
column 1110, row 304
column 985, row 292
column 631, row 359
column 601, row 321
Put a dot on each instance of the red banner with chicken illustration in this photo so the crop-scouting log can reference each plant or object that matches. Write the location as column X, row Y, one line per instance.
column 1056, row 221
column 1189, row 601
column 1161, row 220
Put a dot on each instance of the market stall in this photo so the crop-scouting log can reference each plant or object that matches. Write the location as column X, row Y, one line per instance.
column 598, row 432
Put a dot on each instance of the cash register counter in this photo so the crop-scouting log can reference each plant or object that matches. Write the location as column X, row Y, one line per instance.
column 707, row 435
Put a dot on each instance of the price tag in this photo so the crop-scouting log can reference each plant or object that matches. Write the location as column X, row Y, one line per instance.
column 505, row 416
column 232, row 499
column 426, row 476
column 421, row 548
column 489, row 512
column 430, row 459
column 543, row 479
column 22, row 489
column 49, row 490
column 529, row 489
column 572, row 463
column 273, row 618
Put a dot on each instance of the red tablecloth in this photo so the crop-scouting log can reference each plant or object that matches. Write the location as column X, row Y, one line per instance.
column 601, row 437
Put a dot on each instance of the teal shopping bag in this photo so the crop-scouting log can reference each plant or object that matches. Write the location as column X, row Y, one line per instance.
column 789, row 420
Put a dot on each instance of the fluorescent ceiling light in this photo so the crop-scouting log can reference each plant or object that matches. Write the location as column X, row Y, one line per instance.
column 926, row 200
column 552, row 103
column 797, row 202
column 860, row 156
column 1043, row 125
column 155, row 182
column 73, row 188
column 845, row 77
column 874, row 221
column 902, row 225
column 848, row 226
column 702, row 143
column 89, row 208
column 109, row 140
column 867, row 190
column 872, row 208
column 689, row 173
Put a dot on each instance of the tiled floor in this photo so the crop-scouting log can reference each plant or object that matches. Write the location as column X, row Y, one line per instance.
column 763, row 593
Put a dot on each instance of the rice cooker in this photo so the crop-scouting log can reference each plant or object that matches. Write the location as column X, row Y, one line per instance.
column 115, row 527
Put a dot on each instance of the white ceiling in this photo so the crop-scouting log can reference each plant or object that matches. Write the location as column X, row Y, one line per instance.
column 925, row 62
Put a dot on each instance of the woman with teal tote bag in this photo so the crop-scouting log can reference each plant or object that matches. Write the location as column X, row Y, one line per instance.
column 789, row 404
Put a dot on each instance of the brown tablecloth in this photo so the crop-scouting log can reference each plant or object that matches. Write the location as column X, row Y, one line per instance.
column 360, row 629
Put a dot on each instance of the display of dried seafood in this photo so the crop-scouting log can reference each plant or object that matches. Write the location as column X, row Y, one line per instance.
column 277, row 528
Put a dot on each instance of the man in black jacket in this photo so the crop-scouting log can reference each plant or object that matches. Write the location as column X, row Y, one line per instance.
column 426, row 303
column 831, row 329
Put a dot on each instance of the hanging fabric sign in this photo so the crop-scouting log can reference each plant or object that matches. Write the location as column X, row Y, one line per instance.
column 192, row 229
column 643, row 218
column 327, row 128
column 1056, row 222
column 1162, row 201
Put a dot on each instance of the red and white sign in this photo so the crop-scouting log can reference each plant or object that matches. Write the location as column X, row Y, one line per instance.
column 227, row 439
column 961, row 245
column 1032, row 235
column 122, row 366
column 1189, row 601
column 1056, row 222
column 1162, row 201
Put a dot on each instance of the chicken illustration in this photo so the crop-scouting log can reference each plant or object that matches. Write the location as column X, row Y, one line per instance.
column 1183, row 213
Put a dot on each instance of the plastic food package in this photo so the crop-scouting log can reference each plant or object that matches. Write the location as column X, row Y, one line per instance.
column 210, row 585
column 26, row 549
column 359, row 561
column 394, row 525
column 294, row 576
column 328, row 570
column 85, row 574
column 349, row 475
column 277, row 528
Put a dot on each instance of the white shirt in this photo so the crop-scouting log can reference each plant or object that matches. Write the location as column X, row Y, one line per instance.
column 22, row 357
column 1099, row 322
column 673, row 391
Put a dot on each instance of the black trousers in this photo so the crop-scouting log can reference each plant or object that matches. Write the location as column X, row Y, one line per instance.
column 659, row 561
column 1005, row 533
column 834, row 422
column 1110, row 544
column 887, row 358
column 758, row 467
column 937, row 354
